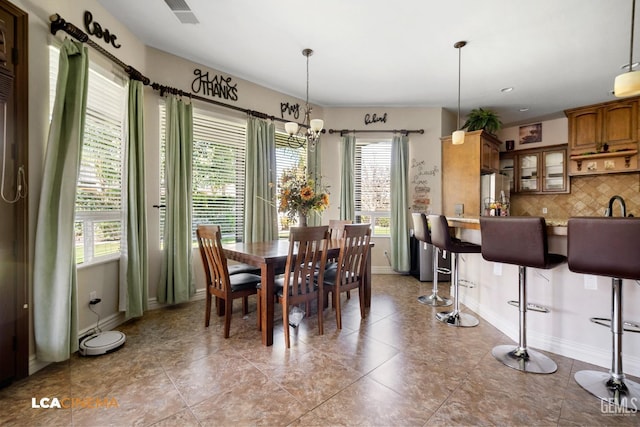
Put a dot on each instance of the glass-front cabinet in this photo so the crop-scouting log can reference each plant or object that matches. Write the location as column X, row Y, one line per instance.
column 540, row 170
column 554, row 177
column 528, row 172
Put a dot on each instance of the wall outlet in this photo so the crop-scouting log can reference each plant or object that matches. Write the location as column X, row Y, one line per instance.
column 544, row 210
column 459, row 209
column 93, row 295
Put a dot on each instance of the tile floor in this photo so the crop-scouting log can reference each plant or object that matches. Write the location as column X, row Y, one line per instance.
column 397, row 367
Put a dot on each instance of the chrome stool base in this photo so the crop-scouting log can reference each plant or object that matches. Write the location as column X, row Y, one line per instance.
column 434, row 300
column 623, row 392
column 456, row 318
column 525, row 360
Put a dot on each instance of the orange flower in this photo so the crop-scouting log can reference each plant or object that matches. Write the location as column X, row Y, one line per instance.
column 325, row 199
column 306, row 193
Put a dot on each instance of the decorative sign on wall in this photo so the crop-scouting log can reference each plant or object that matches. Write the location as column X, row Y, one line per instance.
column 95, row 29
column 290, row 109
column 219, row 86
column 420, row 182
column 374, row 118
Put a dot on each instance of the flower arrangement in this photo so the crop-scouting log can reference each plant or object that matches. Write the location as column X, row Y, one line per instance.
column 299, row 195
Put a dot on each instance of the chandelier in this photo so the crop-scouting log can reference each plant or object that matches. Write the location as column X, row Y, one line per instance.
column 297, row 136
column 628, row 84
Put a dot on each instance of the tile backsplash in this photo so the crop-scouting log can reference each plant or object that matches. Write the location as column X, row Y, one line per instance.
column 589, row 197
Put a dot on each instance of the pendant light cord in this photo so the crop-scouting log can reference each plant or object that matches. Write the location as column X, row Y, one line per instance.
column 633, row 16
column 459, row 78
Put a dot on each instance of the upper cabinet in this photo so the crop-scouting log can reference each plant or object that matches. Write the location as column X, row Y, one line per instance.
column 537, row 171
column 603, row 138
column 462, row 166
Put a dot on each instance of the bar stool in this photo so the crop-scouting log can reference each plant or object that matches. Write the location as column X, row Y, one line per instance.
column 441, row 238
column 421, row 232
column 521, row 241
column 608, row 247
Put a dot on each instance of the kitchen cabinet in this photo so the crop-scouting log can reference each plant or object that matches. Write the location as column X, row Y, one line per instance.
column 462, row 166
column 603, row 127
column 537, row 171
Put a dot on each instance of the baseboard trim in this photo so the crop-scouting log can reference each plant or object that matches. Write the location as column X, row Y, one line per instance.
column 599, row 356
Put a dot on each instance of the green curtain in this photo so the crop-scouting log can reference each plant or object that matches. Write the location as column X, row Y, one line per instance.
column 176, row 277
column 314, row 170
column 134, row 268
column 347, row 178
column 400, row 260
column 260, row 215
column 55, row 313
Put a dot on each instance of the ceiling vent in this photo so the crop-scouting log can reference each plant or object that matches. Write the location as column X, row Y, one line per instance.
column 182, row 11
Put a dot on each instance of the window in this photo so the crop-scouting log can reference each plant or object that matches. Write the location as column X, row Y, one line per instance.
column 218, row 174
column 286, row 158
column 98, row 212
column 372, row 186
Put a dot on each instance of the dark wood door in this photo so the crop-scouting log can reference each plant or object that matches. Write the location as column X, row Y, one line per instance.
column 14, row 309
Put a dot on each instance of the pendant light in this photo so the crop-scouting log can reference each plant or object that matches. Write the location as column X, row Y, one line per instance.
column 628, row 83
column 457, row 137
column 311, row 136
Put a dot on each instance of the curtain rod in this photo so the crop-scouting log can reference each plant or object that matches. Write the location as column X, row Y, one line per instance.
column 344, row 132
column 57, row 23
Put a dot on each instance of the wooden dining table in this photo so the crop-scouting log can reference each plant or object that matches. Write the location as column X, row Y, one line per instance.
column 270, row 257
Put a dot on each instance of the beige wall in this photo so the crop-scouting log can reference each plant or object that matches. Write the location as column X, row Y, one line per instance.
column 425, row 158
column 176, row 72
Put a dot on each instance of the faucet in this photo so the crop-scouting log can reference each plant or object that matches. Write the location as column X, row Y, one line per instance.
column 609, row 211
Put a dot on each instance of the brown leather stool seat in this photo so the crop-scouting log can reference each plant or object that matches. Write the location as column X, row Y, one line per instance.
column 608, row 247
column 421, row 232
column 441, row 238
column 521, row 241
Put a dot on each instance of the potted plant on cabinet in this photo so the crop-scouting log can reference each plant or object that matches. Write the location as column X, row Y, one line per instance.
column 480, row 118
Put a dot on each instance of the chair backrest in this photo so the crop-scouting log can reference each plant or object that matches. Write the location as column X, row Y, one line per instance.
column 421, row 227
column 604, row 246
column 307, row 249
column 354, row 250
column 336, row 227
column 213, row 258
column 440, row 236
column 515, row 240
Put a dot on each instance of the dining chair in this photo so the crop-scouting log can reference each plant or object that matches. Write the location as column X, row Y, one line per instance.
column 351, row 266
column 336, row 230
column 219, row 282
column 307, row 249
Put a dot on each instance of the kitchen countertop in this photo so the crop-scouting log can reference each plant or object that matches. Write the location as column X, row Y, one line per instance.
column 555, row 226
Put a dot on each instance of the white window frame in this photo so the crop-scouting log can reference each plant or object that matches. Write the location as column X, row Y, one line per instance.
column 374, row 215
column 117, row 108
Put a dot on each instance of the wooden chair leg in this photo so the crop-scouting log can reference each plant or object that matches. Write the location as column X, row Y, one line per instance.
column 336, row 307
column 285, row 324
column 245, row 306
column 320, row 317
column 207, row 310
column 361, row 297
column 228, row 309
column 348, row 294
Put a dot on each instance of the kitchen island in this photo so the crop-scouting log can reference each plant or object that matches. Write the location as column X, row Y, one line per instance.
column 571, row 297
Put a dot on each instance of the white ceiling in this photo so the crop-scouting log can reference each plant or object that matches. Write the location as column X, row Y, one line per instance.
column 556, row 54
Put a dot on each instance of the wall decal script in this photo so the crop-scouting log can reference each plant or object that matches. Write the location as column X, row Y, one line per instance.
column 290, row 109
column 95, row 29
column 421, row 189
column 219, row 86
column 373, row 118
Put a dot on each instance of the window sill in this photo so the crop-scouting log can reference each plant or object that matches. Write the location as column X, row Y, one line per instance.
column 98, row 261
